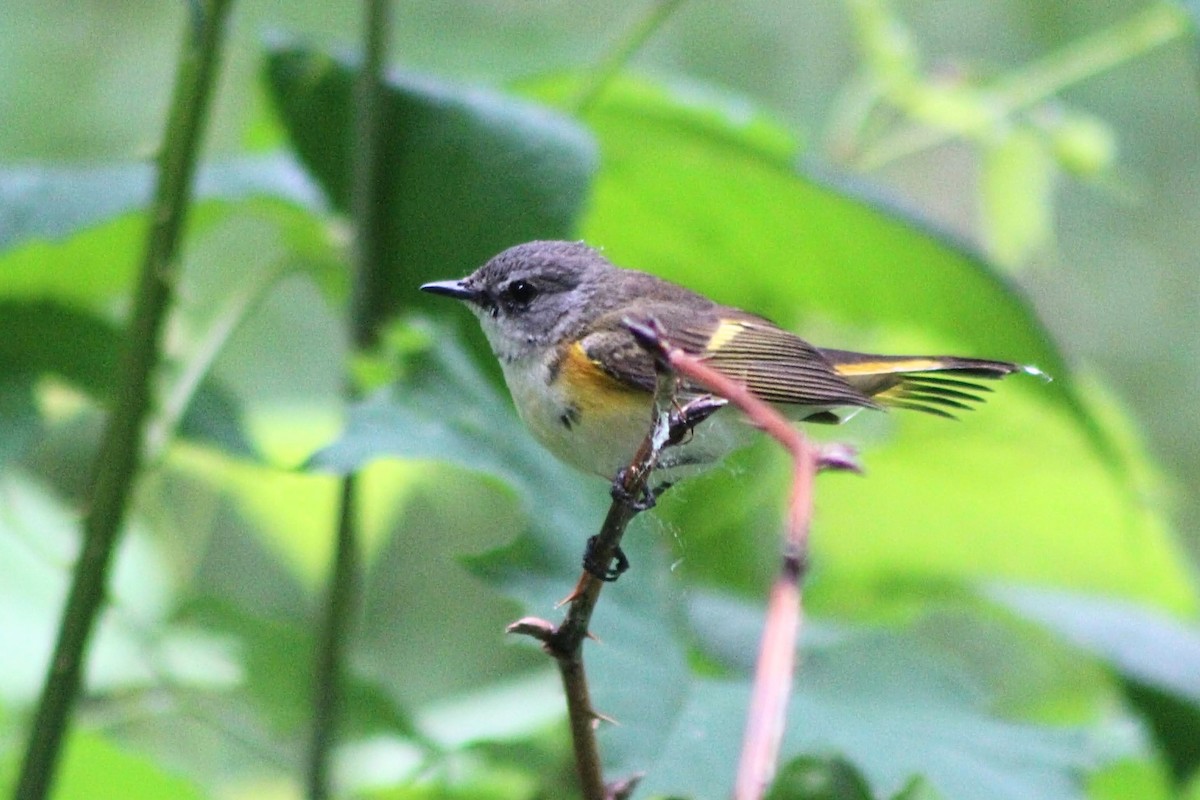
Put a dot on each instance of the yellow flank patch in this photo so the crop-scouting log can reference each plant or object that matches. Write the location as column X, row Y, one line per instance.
column 591, row 389
column 724, row 334
column 887, row 367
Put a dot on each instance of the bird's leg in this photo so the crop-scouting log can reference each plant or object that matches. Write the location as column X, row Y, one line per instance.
column 602, row 571
column 680, row 423
column 682, row 419
column 644, row 501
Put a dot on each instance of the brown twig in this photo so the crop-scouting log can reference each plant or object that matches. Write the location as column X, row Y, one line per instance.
column 565, row 642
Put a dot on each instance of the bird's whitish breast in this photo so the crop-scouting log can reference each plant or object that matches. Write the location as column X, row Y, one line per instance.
column 581, row 414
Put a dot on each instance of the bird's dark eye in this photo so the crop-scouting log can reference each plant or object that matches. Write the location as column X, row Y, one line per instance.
column 520, row 292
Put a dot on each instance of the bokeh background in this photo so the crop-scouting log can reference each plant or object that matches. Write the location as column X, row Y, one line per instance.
column 1119, row 284
column 1100, row 235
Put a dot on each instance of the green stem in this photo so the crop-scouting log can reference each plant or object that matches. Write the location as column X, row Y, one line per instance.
column 1043, row 79
column 367, row 294
column 616, row 60
column 340, row 605
column 1092, row 55
column 368, row 300
column 119, row 456
column 238, row 307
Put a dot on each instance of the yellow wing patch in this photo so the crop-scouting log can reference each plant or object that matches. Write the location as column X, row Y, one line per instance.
column 724, row 334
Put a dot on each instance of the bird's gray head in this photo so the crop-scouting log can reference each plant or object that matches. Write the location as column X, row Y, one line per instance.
column 531, row 295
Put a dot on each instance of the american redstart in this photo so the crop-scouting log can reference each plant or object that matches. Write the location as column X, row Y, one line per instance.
column 555, row 312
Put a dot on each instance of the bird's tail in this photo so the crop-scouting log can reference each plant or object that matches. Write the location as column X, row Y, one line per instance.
column 933, row 384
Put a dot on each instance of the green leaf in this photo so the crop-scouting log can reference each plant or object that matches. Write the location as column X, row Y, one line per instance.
column 1158, row 658
column 59, row 299
column 41, row 337
column 917, row 789
column 893, row 703
column 492, row 784
column 466, row 173
column 508, row 719
column 86, row 271
column 19, row 413
column 1127, row 778
column 1045, row 483
column 214, row 416
column 834, row 778
column 38, row 544
column 53, row 202
column 809, row 778
column 275, row 657
column 94, row 768
column 437, row 515
column 45, row 337
column 445, row 409
column 93, row 268
column 545, row 758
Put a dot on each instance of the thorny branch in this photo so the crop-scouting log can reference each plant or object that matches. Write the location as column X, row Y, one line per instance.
column 776, row 660
column 773, row 679
column 565, row 642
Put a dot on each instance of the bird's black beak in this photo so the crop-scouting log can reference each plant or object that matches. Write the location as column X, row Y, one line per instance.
column 456, row 289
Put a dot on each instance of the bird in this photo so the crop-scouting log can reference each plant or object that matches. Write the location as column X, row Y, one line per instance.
column 556, row 315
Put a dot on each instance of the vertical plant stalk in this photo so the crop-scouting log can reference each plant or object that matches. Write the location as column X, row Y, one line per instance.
column 341, row 603
column 603, row 73
column 342, row 593
column 119, row 457
column 370, row 222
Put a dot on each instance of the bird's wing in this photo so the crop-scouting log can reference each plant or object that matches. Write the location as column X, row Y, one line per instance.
column 775, row 364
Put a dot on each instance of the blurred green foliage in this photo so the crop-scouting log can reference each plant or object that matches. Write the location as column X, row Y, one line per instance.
column 1045, row 132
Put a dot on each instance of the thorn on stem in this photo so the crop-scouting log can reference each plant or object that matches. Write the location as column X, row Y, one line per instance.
column 623, row 789
column 538, row 628
column 580, row 587
column 597, row 718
